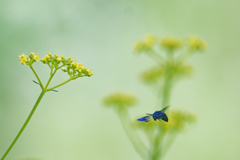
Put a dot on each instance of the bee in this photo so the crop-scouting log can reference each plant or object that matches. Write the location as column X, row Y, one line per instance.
column 160, row 115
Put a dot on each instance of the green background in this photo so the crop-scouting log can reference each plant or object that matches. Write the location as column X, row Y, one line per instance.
column 72, row 124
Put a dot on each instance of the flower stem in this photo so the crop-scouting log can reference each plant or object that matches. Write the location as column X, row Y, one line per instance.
column 138, row 145
column 37, row 77
column 24, row 125
column 52, row 74
column 59, row 85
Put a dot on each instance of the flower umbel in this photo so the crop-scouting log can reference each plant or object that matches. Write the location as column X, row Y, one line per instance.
column 119, row 100
column 55, row 63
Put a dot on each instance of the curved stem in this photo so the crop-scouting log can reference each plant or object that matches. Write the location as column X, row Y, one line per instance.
column 136, row 141
column 168, row 144
column 59, row 85
column 24, row 125
column 37, row 77
column 156, row 147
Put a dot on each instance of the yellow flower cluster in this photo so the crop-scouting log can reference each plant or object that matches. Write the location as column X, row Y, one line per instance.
column 179, row 68
column 171, row 43
column 195, row 43
column 147, row 44
column 119, row 100
column 74, row 69
column 152, row 75
column 178, row 120
column 25, row 60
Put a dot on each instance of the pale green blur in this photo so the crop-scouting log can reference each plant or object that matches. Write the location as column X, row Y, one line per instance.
column 72, row 124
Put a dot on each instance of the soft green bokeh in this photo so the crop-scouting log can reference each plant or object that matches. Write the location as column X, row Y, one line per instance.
column 71, row 124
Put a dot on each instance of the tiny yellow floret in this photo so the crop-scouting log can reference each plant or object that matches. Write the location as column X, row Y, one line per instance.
column 23, row 61
column 22, row 56
column 74, row 64
column 59, row 59
column 84, row 68
column 150, row 41
column 196, row 43
column 90, row 73
column 47, row 57
column 36, row 58
column 32, row 55
column 49, row 54
column 138, row 47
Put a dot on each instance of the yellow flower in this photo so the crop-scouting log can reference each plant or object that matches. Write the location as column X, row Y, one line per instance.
column 90, row 73
column 84, row 68
column 150, row 41
column 139, row 46
column 62, row 57
column 119, row 100
column 56, row 56
column 70, row 60
column 79, row 67
column 196, row 43
column 32, row 55
column 171, row 43
column 43, row 59
column 23, row 61
column 36, row 58
column 22, row 56
column 64, row 69
column 74, row 64
column 47, row 57
column 49, row 54
column 178, row 120
column 59, row 59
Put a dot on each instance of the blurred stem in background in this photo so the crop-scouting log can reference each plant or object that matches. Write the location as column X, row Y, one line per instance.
column 74, row 69
column 169, row 69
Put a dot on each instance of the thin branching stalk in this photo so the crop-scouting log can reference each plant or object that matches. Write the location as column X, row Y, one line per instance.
column 136, row 141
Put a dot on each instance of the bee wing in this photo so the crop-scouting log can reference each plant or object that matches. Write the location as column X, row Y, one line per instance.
column 149, row 114
column 163, row 110
column 145, row 119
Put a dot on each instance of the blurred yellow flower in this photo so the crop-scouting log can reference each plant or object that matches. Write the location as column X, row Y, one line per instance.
column 22, row 56
column 119, row 100
column 32, row 55
column 36, row 58
column 178, row 120
column 59, row 59
column 196, row 43
column 171, row 43
column 138, row 47
column 23, row 59
column 150, row 41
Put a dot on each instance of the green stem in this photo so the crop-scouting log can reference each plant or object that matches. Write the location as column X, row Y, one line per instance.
column 138, row 145
column 52, row 74
column 37, row 77
column 156, row 153
column 59, row 84
column 156, row 147
column 168, row 144
column 24, row 125
column 156, row 57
